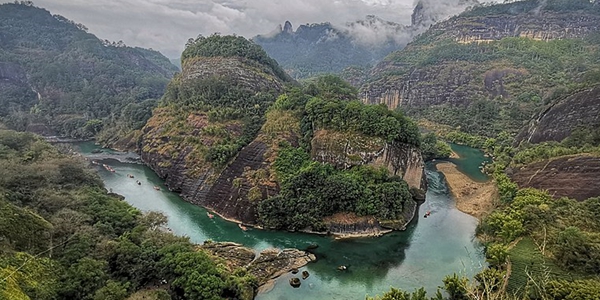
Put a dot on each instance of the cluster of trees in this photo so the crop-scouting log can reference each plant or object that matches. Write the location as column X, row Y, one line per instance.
column 78, row 77
column 311, row 191
column 231, row 46
column 335, row 106
column 63, row 237
column 432, row 148
column 224, row 101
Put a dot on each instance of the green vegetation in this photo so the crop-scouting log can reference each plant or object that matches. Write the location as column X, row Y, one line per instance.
column 79, row 78
column 311, row 190
column 63, row 237
column 581, row 140
column 212, row 117
column 529, row 6
column 231, row 46
column 484, row 87
column 432, row 148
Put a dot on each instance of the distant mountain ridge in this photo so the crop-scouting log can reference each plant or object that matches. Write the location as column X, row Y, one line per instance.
column 60, row 79
column 493, row 67
column 314, row 49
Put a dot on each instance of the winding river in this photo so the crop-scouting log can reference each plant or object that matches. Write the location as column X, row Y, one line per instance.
column 421, row 256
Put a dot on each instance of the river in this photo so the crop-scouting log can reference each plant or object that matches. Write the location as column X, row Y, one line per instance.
column 421, row 256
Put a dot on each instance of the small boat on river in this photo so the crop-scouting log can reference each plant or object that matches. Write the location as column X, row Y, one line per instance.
column 242, row 227
column 157, row 188
column 210, row 215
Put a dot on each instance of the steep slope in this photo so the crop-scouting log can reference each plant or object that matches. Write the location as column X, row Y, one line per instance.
column 67, row 81
column 221, row 140
column 560, row 149
column 561, row 118
column 315, row 49
column 571, row 176
column 200, row 137
column 492, row 67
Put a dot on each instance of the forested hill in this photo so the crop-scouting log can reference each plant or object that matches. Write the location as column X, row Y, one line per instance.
column 492, row 68
column 59, row 79
column 235, row 134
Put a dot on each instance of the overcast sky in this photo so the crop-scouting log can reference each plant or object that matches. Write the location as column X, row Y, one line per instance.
column 165, row 25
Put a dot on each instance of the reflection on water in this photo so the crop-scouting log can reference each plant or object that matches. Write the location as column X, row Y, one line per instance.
column 422, row 255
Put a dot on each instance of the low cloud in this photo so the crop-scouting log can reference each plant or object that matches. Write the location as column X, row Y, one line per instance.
column 166, row 25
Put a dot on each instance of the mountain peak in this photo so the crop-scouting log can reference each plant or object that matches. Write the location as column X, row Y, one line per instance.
column 287, row 28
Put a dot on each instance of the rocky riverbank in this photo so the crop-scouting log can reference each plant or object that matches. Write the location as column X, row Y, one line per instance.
column 474, row 198
column 266, row 266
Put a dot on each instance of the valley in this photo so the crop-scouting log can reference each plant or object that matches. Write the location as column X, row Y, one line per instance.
column 453, row 158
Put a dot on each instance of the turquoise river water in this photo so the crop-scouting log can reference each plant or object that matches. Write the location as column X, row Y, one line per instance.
column 421, row 256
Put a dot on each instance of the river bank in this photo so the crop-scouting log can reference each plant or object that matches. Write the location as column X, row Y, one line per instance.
column 477, row 199
column 405, row 259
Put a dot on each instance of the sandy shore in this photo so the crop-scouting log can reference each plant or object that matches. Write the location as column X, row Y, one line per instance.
column 454, row 155
column 474, row 198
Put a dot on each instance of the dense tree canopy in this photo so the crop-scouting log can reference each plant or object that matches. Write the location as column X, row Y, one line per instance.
column 63, row 237
column 59, row 74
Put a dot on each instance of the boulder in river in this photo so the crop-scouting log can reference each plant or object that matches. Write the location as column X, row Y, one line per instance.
column 295, row 282
column 305, row 274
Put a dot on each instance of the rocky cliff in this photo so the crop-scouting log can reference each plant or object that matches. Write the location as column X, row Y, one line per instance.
column 201, row 139
column 556, row 122
column 489, row 68
column 346, row 150
column 218, row 133
column 568, row 176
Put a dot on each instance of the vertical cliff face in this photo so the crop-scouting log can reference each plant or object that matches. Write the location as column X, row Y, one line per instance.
column 177, row 141
column 345, row 150
column 200, row 139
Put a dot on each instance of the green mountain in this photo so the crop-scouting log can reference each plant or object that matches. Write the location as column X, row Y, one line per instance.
column 59, row 79
column 235, row 134
column 493, row 67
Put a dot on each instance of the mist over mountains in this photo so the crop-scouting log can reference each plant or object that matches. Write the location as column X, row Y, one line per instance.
column 317, row 48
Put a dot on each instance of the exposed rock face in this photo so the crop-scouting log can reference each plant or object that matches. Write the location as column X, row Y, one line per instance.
column 560, row 119
column 243, row 71
column 544, row 26
column 268, row 264
column 232, row 202
column 569, row 176
column 423, row 86
column 183, row 165
column 345, row 150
